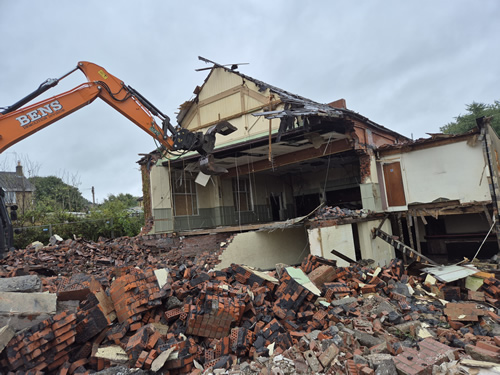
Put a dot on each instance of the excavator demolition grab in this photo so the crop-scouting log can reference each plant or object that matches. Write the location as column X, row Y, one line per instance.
column 18, row 122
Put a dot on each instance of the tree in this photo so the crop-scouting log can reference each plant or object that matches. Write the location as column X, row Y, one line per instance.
column 464, row 123
column 128, row 200
column 54, row 194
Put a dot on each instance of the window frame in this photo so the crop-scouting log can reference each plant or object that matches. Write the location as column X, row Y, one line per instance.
column 10, row 197
column 238, row 183
column 179, row 191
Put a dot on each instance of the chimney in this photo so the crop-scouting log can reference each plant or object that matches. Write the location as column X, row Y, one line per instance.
column 338, row 104
column 19, row 169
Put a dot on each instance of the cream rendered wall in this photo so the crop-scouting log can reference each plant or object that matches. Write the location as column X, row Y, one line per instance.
column 161, row 196
column 161, row 199
column 377, row 249
column 453, row 171
column 224, row 95
column 340, row 238
column 266, row 249
column 370, row 197
column 219, row 81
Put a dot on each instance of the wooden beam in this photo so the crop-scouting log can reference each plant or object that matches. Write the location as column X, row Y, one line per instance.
column 342, row 256
column 236, row 115
column 336, row 147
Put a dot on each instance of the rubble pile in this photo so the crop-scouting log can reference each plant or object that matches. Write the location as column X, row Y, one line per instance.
column 151, row 313
column 328, row 212
column 66, row 258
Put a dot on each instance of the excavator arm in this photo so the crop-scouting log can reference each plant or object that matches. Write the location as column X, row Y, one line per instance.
column 17, row 123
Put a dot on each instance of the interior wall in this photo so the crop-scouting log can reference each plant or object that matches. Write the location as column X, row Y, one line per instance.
column 208, row 196
column 370, row 197
column 453, row 171
column 337, row 177
column 265, row 249
column 340, row 238
column 377, row 249
column 262, row 186
column 471, row 223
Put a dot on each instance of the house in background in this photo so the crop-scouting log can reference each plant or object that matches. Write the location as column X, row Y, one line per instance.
column 18, row 189
column 288, row 156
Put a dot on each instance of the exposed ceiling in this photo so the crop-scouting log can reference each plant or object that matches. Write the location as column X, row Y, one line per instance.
column 248, row 154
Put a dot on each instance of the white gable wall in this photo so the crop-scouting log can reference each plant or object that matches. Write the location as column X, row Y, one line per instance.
column 226, row 96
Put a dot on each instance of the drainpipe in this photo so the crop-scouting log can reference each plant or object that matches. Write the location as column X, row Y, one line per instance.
column 482, row 123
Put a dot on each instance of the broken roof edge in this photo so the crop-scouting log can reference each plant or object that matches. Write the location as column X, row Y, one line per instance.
column 435, row 140
column 287, row 98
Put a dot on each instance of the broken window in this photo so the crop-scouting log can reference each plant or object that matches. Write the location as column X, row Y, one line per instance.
column 242, row 195
column 184, row 195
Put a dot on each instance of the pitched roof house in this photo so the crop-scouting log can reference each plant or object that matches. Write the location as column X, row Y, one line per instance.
column 18, row 189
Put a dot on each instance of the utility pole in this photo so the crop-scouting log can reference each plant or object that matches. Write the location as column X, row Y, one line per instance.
column 93, row 197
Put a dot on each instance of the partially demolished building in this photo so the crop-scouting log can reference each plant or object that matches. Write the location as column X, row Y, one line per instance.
column 312, row 192
column 291, row 155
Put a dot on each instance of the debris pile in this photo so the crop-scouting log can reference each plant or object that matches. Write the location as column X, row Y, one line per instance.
column 139, row 309
column 328, row 213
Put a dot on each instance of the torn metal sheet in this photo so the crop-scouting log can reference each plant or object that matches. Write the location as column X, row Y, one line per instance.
column 451, row 273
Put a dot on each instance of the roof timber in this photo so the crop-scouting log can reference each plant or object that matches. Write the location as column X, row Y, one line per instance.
column 335, row 147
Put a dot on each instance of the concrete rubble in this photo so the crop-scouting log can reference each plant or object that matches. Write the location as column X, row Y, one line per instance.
column 151, row 304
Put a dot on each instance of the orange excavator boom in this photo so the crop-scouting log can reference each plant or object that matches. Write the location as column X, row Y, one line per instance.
column 17, row 122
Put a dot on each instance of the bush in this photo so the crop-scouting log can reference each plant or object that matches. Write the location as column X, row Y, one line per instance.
column 107, row 223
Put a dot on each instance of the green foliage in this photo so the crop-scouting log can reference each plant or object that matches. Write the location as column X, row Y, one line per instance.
column 121, row 220
column 53, row 194
column 128, row 200
column 112, row 219
column 111, row 222
column 464, row 123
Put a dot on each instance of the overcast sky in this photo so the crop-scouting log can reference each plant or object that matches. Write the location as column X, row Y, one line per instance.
column 411, row 66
